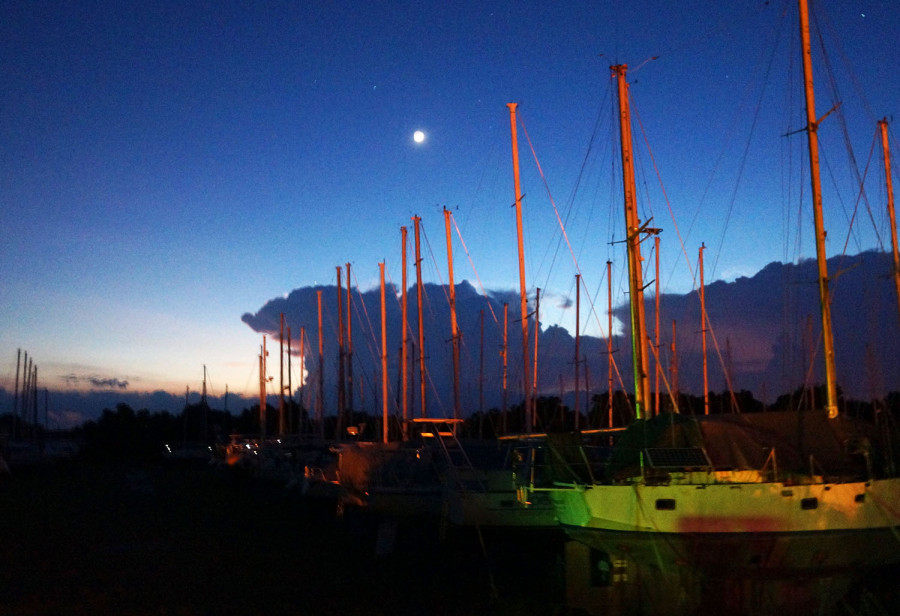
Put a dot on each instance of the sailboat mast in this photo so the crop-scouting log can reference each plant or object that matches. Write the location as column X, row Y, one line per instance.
column 481, row 372
column 384, row 372
column 280, row 378
column 416, row 220
column 633, row 242
column 505, row 355
column 320, row 397
column 657, row 364
column 609, row 359
column 522, row 289
column 454, row 328
column 349, row 343
column 340, row 315
column 204, row 405
column 812, row 125
column 534, row 364
column 404, row 345
column 577, row 347
column 288, row 388
column 882, row 125
column 262, row 391
column 703, row 334
column 303, row 405
column 16, row 396
column 673, row 367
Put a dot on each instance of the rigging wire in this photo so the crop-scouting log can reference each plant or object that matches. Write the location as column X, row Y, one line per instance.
column 555, row 210
column 475, row 271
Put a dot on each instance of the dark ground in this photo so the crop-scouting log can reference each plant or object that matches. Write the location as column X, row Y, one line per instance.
column 167, row 540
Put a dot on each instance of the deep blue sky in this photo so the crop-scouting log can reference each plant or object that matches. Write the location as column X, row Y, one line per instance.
column 168, row 167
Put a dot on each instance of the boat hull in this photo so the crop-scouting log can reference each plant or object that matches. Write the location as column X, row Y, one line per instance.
column 743, row 547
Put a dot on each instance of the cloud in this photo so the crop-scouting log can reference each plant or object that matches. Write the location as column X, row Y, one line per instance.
column 564, row 303
column 95, row 382
column 108, row 383
column 756, row 335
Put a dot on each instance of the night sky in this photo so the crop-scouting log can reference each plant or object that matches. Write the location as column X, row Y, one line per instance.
column 166, row 168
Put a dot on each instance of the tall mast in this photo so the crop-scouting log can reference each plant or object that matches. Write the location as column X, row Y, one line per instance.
column 303, row 405
column 577, row 346
column 262, row 391
column 481, row 373
column 633, row 241
column 384, row 372
column 812, row 125
column 657, row 363
column 404, row 343
column 505, row 355
column 16, row 396
column 537, row 331
column 204, row 406
column 280, row 378
column 320, row 397
column 673, row 367
column 416, row 221
column 609, row 348
column 26, row 377
column 703, row 334
column 349, row 343
column 523, row 292
column 454, row 328
column 882, row 125
column 288, row 387
column 34, row 402
column 340, row 315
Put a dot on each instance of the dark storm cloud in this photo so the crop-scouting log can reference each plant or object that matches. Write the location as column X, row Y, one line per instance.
column 754, row 325
column 96, row 382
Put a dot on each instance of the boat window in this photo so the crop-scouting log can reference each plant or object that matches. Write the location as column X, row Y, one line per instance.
column 860, row 497
column 665, row 504
column 809, row 503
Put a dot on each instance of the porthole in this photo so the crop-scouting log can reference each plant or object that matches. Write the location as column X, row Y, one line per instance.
column 809, row 503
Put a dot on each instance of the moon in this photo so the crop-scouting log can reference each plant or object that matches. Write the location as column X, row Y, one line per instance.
column 418, row 136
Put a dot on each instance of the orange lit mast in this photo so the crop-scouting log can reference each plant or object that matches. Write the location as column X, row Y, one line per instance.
column 384, row 374
column 341, row 391
column 454, row 328
column 633, row 242
column 609, row 349
column 882, row 125
column 812, row 125
column 404, row 355
column 703, row 334
column 262, row 391
column 320, row 397
column 280, row 378
column 416, row 220
column 523, row 292
column 504, row 353
column 577, row 346
column 349, row 344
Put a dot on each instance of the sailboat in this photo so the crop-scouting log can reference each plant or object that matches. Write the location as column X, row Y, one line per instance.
column 753, row 514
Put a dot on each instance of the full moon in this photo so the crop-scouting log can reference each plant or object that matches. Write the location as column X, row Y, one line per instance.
column 418, row 136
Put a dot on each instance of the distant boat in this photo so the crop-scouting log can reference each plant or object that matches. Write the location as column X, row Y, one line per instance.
column 742, row 514
column 434, row 474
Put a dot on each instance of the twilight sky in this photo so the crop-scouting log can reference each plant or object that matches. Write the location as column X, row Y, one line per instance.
column 166, row 168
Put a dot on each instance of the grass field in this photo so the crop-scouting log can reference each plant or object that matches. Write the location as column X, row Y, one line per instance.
column 167, row 540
